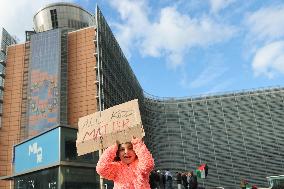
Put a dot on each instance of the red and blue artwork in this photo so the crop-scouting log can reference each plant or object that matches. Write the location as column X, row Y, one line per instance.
column 43, row 102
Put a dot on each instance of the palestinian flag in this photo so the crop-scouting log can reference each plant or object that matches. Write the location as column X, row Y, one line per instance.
column 200, row 171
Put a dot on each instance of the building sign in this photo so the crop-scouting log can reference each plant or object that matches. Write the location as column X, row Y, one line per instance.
column 38, row 152
column 102, row 129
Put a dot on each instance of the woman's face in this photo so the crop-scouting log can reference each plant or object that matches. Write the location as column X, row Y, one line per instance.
column 126, row 153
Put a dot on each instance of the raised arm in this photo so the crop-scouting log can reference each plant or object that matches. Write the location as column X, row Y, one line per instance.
column 106, row 167
column 146, row 161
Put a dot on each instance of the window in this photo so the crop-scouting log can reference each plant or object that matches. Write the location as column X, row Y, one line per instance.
column 69, row 150
column 44, row 179
column 54, row 21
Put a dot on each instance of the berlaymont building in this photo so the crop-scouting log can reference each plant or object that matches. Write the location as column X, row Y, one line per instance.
column 71, row 65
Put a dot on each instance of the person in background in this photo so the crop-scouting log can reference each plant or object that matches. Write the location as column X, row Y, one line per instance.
column 168, row 180
column 184, row 180
column 178, row 178
column 192, row 180
column 206, row 170
column 128, row 165
column 243, row 185
column 152, row 180
column 161, row 180
column 157, row 179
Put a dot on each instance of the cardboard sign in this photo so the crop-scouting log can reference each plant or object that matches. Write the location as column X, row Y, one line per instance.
column 102, row 129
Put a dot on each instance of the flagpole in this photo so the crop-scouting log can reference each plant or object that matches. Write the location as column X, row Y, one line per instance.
column 99, row 77
column 101, row 178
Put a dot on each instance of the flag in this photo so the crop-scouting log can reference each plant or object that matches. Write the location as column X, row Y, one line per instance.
column 200, row 171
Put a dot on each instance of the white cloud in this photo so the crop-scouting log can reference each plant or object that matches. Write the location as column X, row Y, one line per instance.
column 269, row 60
column 213, row 69
column 209, row 75
column 170, row 35
column 221, row 86
column 217, row 5
column 265, row 39
column 135, row 14
column 17, row 16
column 266, row 24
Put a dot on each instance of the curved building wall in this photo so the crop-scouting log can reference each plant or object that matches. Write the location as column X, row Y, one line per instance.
column 59, row 15
column 239, row 135
column 118, row 83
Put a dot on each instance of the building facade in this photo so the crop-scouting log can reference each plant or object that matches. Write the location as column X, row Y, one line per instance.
column 239, row 135
column 6, row 40
column 62, row 72
column 72, row 66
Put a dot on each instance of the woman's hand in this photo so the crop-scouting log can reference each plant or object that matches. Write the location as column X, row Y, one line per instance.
column 135, row 140
column 117, row 143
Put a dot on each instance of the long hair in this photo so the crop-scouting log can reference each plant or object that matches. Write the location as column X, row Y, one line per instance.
column 117, row 158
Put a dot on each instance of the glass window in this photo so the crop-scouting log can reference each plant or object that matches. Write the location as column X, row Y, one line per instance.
column 1, row 81
column 54, row 21
column 69, row 150
column 2, row 69
column 79, row 178
column 44, row 179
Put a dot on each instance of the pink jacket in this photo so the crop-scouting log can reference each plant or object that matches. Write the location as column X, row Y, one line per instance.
column 132, row 176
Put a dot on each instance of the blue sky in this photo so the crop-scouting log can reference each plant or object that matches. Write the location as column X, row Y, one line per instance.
column 185, row 48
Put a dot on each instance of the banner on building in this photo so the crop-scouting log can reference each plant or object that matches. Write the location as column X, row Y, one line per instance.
column 102, row 129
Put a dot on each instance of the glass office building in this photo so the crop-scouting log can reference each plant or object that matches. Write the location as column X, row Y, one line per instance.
column 5, row 40
column 116, row 81
column 72, row 66
column 38, row 143
column 239, row 135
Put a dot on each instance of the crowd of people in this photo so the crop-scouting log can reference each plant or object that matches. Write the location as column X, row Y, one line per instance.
column 165, row 180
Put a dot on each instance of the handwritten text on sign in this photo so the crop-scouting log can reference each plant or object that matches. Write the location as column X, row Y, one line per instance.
column 100, row 130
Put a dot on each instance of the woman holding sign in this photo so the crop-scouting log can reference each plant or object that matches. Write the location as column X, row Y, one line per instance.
column 128, row 165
